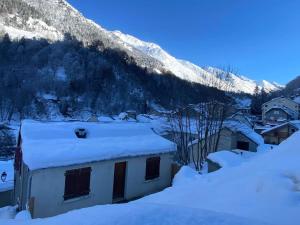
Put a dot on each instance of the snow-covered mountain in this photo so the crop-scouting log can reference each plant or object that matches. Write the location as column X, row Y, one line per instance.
column 189, row 71
column 51, row 19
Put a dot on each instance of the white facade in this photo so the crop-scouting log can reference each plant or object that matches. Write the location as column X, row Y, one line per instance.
column 46, row 186
column 49, row 151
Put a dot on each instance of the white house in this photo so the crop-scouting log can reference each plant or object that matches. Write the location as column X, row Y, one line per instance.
column 61, row 166
column 233, row 135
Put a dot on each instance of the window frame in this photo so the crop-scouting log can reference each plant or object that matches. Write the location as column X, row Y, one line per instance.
column 80, row 181
column 246, row 143
column 152, row 170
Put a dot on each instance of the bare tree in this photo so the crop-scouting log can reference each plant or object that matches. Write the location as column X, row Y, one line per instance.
column 196, row 129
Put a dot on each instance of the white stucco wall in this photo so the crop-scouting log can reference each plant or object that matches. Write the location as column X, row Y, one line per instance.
column 47, row 185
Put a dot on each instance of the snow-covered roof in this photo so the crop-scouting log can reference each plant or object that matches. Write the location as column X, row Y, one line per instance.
column 275, row 99
column 236, row 126
column 52, row 144
column 294, row 123
column 230, row 157
column 7, row 167
column 285, row 109
column 237, row 114
column 297, row 99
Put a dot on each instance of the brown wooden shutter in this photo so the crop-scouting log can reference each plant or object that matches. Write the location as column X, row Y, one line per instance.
column 77, row 183
column 152, row 168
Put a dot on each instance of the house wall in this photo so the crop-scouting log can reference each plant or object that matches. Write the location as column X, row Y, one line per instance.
column 21, row 183
column 240, row 137
column 212, row 166
column 275, row 115
column 47, row 185
column 280, row 102
column 278, row 135
column 228, row 141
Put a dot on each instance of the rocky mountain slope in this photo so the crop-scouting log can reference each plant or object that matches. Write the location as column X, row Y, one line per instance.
column 51, row 19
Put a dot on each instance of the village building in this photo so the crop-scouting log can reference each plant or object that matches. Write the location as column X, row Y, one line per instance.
column 61, row 166
column 6, row 183
column 234, row 135
column 280, row 110
column 275, row 135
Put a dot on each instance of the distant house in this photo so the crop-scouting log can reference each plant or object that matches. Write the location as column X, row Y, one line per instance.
column 280, row 110
column 275, row 135
column 243, row 118
column 60, row 166
column 235, row 135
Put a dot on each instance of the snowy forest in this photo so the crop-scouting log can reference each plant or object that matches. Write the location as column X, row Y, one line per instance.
column 83, row 78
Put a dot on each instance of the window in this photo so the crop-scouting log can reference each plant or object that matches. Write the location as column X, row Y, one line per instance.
column 77, row 183
column 243, row 145
column 276, row 112
column 152, row 168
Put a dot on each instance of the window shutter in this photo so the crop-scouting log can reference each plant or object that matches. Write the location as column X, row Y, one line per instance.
column 152, row 168
column 77, row 183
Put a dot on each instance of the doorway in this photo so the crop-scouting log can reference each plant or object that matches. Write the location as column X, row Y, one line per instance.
column 119, row 181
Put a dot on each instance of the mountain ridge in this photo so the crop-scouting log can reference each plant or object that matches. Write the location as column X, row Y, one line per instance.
column 63, row 18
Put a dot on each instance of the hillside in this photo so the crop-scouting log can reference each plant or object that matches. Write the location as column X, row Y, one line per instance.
column 52, row 19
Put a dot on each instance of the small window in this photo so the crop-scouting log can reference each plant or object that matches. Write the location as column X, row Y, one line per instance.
column 276, row 112
column 152, row 168
column 77, row 183
column 293, row 130
column 243, row 145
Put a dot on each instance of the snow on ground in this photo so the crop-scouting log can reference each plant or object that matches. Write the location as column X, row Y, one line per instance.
column 266, row 188
column 229, row 158
column 243, row 102
column 8, row 212
column 137, row 213
column 260, row 189
column 7, row 167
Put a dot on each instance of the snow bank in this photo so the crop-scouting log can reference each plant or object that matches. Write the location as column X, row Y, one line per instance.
column 23, row 215
column 265, row 188
column 8, row 212
column 7, row 167
column 55, row 143
column 230, row 158
column 138, row 214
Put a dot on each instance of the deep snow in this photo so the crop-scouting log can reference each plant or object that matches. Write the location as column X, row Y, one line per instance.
column 265, row 188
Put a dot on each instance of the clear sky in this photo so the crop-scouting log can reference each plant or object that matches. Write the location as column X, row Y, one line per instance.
column 258, row 38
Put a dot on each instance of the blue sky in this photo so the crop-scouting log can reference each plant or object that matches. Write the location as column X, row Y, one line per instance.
column 258, row 38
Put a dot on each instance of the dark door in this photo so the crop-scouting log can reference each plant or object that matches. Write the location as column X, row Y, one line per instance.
column 243, row 145
column 119, row 180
